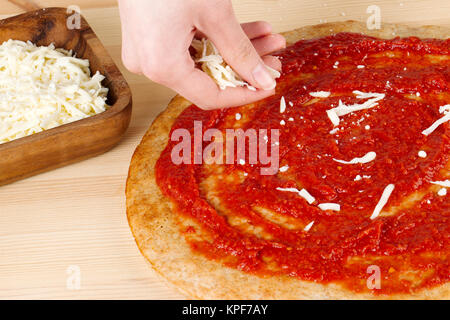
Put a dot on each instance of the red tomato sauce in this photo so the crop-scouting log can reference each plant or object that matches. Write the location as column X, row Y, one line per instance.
column 411, row 247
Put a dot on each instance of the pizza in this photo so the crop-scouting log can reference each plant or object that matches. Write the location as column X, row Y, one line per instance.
column 356, row 205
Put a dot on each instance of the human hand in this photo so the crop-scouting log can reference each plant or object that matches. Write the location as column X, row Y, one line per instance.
column 157, row 35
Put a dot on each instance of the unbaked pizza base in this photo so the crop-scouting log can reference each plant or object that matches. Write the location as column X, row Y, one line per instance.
column 158, row 236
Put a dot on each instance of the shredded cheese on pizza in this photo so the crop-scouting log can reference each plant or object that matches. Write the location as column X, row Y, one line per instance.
column 343, row 109
column 43, row 87
column 302, row 193
column 445, row 183
column 330, row 206
column 211, row 62
column 282, row 105
column 320, row 94
column 422, row 154
column 444, row 110
column 368, row 157
column 383, row 201
column 309, row 226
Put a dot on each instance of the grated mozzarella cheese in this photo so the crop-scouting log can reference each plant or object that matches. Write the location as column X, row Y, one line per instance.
column 213, row 64
column 444, row 110
column 368, row 157
column 309, row 226
column 43, row 87
column 343, row 109
column 334, row 118
column 320, row 94
column 445, row 183
column 422, row 154
column 282, row 105
column 302, row 193
column 383, row 200
column 307, row 196
column 330, row 206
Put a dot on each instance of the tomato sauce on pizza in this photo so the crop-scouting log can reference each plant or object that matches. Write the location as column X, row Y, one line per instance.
column 262, row 224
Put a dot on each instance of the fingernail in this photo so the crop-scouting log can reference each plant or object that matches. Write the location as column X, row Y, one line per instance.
column 263, row 78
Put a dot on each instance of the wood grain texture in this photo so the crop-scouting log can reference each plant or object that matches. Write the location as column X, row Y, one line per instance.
column 290, row 14
column 78, row 140
column 27, row 5
column 76, row 215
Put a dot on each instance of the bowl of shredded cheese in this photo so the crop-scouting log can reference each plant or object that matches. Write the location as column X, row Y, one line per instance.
column 62, row 98
column 42, row 87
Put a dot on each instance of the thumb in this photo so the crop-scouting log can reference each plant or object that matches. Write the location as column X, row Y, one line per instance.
column 238, row 51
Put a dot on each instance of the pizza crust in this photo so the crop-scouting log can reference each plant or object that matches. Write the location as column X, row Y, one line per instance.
column 158, row 236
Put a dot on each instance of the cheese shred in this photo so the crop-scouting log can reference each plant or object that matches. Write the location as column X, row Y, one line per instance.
column 383, row 201
column 443, row 110
column 320, row 94
column 302, row 193
column 343, row 109
column 212, row 63
column 330, row 206
column 309, row 226
column 445, row 183
column 368, row 157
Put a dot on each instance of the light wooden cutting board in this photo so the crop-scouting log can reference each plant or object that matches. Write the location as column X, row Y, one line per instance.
column 70, row 223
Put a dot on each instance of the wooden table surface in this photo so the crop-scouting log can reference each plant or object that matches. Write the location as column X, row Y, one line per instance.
column 70, row 223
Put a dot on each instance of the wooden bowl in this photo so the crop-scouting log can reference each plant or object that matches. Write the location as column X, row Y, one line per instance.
column 77, row 140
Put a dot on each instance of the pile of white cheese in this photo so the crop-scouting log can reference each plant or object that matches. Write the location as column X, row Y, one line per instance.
column 211, row 62
column 43, row 87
